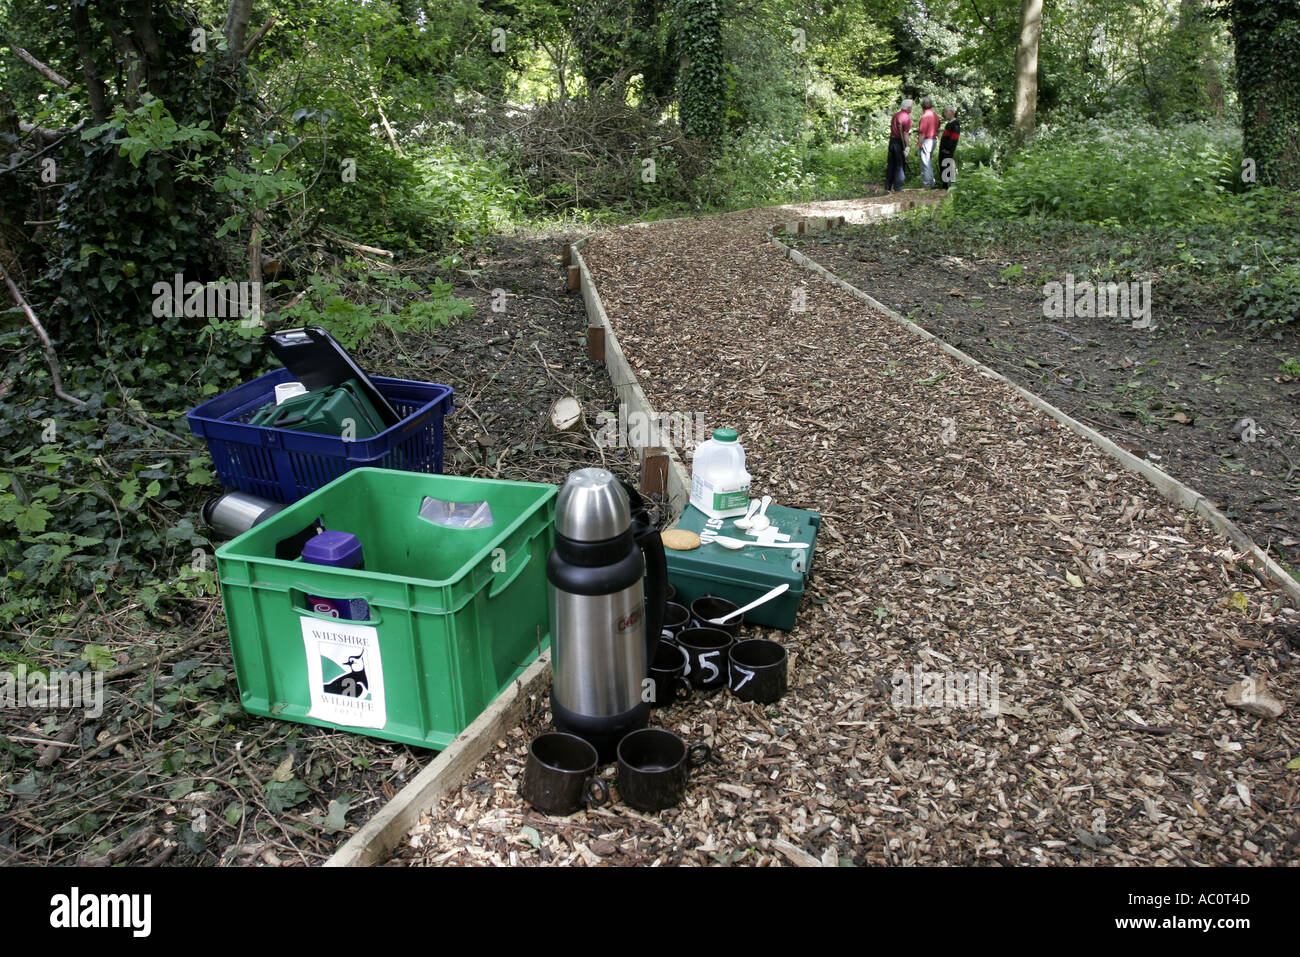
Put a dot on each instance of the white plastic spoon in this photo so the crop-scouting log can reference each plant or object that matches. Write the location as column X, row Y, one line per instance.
column 726, row 541
column 749, row 515
column 761, row 521
column 778, row 590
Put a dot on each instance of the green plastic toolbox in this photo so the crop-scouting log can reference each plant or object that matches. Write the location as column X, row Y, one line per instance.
column 325, row 412
column 745, row 574
column 457, row 611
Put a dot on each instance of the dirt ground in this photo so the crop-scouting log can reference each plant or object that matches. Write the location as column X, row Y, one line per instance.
column 1003, row 547
column 1171, row 394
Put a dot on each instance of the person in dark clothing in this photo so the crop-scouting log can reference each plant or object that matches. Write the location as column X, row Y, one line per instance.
column 948, row 146
column 900, row 131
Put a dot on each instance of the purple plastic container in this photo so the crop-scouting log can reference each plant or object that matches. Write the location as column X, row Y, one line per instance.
column 339, row 550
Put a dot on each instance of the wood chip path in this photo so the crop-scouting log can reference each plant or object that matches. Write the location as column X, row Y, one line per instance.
column 965, row 534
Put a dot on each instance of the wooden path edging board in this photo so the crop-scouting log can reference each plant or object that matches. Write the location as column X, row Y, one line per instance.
column 630, row 393
column 1168, row 486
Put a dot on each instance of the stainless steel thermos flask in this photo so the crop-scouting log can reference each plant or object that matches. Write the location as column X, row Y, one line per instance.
column 234, row 513
column 607, row 577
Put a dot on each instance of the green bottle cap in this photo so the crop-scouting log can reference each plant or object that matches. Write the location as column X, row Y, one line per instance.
column 726, row 435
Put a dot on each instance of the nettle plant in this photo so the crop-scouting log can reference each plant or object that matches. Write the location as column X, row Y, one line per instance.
column 404, row 305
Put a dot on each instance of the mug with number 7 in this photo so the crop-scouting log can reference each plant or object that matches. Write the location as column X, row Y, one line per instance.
column 707, row 649
column 758, row 670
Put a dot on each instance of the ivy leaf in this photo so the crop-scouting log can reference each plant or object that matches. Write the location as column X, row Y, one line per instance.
column 33, row 518
column 282, row 795
column 336, row 817
column 99, row 657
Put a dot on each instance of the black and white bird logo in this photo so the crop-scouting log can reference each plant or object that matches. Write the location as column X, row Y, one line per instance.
column 352, row 683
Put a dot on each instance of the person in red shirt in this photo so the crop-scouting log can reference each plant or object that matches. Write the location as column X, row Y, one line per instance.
column 928, row 133
column 948, row 146
column 900, row 133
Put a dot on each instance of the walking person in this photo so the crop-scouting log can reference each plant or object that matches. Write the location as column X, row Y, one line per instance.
column 928, row 132
column 948, row 146
column 900, row 134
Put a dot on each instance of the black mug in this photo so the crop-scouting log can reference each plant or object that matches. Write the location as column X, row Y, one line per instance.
column 653, row 767
column 671, row 592
column 676, row 618
column 707, row 650
column 711, row 606
column 758, row 670
column 668, row 675
column 560, row 776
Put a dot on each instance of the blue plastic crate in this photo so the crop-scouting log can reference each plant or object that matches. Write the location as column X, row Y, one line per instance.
column 283, row 465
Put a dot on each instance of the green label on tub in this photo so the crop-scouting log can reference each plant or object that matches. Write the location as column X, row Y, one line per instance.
column 727, row 500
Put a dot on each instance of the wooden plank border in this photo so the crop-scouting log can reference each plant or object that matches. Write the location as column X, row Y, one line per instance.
column 632, row 398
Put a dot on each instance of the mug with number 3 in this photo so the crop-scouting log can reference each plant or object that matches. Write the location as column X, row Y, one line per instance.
column 707, row 649
column 758, row 670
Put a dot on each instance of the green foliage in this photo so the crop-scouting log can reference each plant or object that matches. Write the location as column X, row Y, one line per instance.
column 1107, row 175
column 467, row 194
column 262, row 185
column 353, row 323
column 101, row 503
column 1170, row 205
column 757, row 168
column 849, row 167
column 150, row 128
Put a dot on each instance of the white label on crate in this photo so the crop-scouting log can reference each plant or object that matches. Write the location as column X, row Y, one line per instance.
column 345, row 673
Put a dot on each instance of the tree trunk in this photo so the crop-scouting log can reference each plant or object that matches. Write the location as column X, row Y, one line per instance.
column 1031, row 25
column 1267, row 34
column 1208, row 92
column 90, row 69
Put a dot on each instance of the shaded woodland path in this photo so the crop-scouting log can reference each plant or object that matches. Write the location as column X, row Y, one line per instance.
column 964, row 532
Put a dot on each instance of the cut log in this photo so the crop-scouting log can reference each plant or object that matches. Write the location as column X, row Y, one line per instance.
column 566, row 414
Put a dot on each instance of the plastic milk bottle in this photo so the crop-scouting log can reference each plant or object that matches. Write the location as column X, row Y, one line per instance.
column 719, row 482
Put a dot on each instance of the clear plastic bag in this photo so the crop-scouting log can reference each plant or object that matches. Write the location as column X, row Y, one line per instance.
column 456, row 514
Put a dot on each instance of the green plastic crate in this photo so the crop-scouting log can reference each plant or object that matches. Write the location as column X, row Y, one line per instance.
column 745, row 574
column 456, row 613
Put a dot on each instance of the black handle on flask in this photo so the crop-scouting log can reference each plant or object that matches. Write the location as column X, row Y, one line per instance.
column 656, row 562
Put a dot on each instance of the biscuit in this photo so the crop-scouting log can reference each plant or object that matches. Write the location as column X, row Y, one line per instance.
column 680, row 539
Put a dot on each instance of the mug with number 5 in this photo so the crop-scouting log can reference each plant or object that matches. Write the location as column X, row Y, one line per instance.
column 758, row 670
column 707, row 649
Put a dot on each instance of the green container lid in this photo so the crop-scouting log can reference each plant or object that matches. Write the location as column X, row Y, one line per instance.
column 726, row 435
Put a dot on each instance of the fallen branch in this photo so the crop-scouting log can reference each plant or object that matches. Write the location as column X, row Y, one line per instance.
column 63, row 740
column 360, row 247
column 50, row 357
column 126, row 848
column 40, row 67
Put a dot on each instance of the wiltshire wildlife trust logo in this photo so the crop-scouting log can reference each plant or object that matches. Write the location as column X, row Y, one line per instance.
column 213, row 300
column 1126, row 300
column 77, row 910
column 345, row 674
